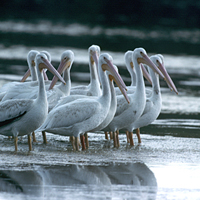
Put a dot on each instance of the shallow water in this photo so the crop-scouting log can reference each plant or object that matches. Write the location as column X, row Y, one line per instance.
column 170, row 146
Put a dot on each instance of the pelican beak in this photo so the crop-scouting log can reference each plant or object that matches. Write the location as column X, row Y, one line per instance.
column 146, row 60
column 146, row 74
column 63, row 65
column 45, row 75
column 167, row 77
column 116, row 77
column 123, row 91
column 112, row 70
column 26, row 75
column 50, row 67
column 95, row 58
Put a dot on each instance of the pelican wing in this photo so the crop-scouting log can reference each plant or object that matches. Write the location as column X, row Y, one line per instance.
column 21, row 91
column 69, row 114
column 68, row 99
column 11, row 110
column 122, row 105
column 148, row 107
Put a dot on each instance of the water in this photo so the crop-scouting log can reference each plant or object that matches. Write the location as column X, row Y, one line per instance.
column 170, row 146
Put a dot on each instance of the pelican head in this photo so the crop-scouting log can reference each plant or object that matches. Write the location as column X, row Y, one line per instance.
column 31, row 57
column 142, row 57
column 42, row 62
column 158, row 60
column 94, row 52
column 67, row 58
column 106, row 63
column 47, row 54
column 31, row 63
column 128, row 60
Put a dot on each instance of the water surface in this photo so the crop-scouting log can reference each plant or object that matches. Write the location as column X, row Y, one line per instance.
column 170, row 146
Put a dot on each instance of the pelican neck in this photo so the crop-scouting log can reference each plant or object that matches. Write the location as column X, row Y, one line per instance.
column 41, row 85
column 33, row 71
column 140, row 87
column 105, row 84
column 155, row 82
column 93, row 72
column 65, row 88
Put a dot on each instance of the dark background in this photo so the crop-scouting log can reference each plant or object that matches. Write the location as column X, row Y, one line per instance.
column 140, row 13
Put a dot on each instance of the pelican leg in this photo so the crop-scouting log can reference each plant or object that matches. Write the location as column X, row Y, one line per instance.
column 86, row 140
column 77, row 143
column 138, row 135
column 72, row 140
column 127, row 136
column 16, row 140
column 106, row 135
column 111, row 135
column 131, row 138
column 82, row 138
column 117, row 138
column 29, row 143
column 114, row 139
column 44, row 137
column 34, row 138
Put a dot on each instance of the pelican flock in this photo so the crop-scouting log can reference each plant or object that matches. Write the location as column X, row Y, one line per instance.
column 43, row 105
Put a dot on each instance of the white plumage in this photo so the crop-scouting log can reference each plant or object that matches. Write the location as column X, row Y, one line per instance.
column 83, row 115
column 93, row 89
column 21, row 117
column 128, row 113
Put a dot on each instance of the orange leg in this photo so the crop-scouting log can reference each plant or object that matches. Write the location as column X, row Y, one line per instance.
column 34, row 138
column 29, row 143
column 72, row 140
column 131, row 138
column 117, row 138
column 77, row 142
column 82, row 138
column 127, row 136
column 16, row 140
column 138, row 135
column 111, row 135
column 44, row 137
column 114, row 139
column 106, row 135
column 86, row 140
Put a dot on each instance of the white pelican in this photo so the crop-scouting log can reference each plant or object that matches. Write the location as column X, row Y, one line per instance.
column 93, row 89
column 131, row 70
column 127, row 113
column 154, row 101
column 22, row 116
column 32, row 71
column 61, row 90
column 83, row 115
column 56, row 92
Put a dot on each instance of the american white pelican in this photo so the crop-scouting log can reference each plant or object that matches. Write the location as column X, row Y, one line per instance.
column 22, row 116
column 113, row 105
column 127, row 113
column 131, row 70
column 56, row 92
column 154, row 101
column 93, row 89
column 83, row 115
column 61, row 90
column 32, row 71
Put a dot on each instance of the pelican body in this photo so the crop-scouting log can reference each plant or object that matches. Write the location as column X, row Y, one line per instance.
column 83, row 115
column 22, row 116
